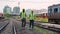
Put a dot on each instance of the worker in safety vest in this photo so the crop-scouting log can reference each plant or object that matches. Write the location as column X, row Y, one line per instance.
column 31, row 16
column 23, row 16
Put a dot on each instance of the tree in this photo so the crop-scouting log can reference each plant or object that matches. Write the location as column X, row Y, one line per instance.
column 7, row 15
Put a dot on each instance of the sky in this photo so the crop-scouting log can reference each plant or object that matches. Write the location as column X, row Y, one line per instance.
column 28, row 4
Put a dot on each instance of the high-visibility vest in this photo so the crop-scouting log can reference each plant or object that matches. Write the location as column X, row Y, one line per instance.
column 31, row 16
column 23, row 15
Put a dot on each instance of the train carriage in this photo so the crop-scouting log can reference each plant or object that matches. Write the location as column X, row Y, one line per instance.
column 54, row 13
column 1, row 16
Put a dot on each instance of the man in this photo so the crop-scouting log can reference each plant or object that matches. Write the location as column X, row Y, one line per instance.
column 23, row 16
column 31, row 16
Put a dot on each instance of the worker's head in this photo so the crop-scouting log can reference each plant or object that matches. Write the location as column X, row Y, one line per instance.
column 32, row 11
column 23, row 10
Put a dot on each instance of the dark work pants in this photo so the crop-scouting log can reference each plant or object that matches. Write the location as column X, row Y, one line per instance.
column 23, row 22
column 31, row 24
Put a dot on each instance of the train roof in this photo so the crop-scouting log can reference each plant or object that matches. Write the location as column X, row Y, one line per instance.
column 54, row 6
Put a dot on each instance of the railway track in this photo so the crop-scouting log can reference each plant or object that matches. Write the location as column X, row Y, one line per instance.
column 48, row 27
column 14, row 30
column 3, row 25
column 6, row 27
column 19, row 30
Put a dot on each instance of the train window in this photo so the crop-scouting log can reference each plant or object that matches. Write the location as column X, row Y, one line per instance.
column 55, row 10
column 50, row 10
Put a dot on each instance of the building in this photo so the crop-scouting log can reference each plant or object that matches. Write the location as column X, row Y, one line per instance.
column 37, row 12
column 44, row 11
column 28, row 11
column 16, row 10
column 7, row 9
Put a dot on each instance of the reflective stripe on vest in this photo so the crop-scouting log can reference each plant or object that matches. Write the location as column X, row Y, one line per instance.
column 31, row 16
column 23, row 15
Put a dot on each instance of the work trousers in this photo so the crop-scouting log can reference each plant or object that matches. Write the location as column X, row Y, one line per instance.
column 31, row 24
column 23, row 22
